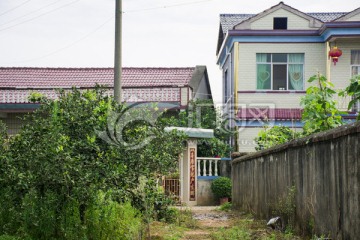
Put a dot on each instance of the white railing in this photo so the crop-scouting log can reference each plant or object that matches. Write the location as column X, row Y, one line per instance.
column 207, row 166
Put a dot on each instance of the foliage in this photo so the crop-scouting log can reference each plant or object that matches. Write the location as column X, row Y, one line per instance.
column 353, row 90
column 111, row 220
column 221, row 187
column 320, row 111
column 56, row 167
column 3, row 137
column 231, row 233
column 213, row 147
column 7, row 237
column 285, row 207
column 203, row 114
column 225, row 207
column 269, row 137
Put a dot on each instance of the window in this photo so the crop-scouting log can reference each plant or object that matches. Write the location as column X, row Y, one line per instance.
column 355, row 70
column 280, row 71
column 355, row 62
column 226, row 87
column 280, row 23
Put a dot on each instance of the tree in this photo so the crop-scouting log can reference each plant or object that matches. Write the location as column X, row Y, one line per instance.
column 202, row 113
column 269, row 137
column 60, row 158
column 353, row 90
column 3, row 136
column 320, row 110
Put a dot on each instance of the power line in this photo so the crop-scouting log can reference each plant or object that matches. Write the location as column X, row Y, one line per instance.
column 167, row 6
column 28, row 20
column 12, row 9
column 69, row 45
column 37, row 10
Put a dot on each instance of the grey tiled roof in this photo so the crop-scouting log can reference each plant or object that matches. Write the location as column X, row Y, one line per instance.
column 228, row 21
column 327, row 17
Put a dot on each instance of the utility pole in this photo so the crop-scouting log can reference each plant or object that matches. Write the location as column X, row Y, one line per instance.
column 117, row 62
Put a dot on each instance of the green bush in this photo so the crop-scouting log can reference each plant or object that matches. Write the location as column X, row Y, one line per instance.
column 52, row 171
column 225, row 207
column 7, row 237
column 111, row 220
column 269, row 137
column 221, row 187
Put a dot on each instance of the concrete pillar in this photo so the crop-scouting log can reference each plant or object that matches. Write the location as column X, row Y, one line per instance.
column 188, row 174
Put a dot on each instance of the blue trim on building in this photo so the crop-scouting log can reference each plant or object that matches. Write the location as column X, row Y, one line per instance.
column 207, row 177
column 340, row 32
column 19, row 106
column 225, row 159
column 321, row 38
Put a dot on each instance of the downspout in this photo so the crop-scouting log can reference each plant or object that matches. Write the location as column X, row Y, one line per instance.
column 236, row 80
column 328, row 62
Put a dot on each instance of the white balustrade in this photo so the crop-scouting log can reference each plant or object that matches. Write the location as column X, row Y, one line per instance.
column 209, row 166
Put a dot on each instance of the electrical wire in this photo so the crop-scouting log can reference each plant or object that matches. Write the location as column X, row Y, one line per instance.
column 167, row 6
column 30, row 19
column 90, row 33
column 69, row 45
column 37, row 10
column 12, row 9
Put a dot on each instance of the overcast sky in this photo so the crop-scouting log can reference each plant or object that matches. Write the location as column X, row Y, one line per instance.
column 156, row 33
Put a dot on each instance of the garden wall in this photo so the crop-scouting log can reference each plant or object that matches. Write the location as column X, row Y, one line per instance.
column 325, row 170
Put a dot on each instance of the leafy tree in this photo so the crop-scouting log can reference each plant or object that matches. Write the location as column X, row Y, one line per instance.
column 353, row 90
column 60, row 159
column 202, row 113
column 320, row 110
column 269, row 137
column 3, row 136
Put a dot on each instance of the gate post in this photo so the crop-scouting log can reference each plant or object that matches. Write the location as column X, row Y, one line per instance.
column 188, row 174
column 188, row 163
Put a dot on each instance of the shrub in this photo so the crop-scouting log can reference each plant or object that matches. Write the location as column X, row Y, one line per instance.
column 221, row 187
column 111, row 220
column 274, row 136
column 7, row 237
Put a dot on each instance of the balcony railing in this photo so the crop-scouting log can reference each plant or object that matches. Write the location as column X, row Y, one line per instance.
column 209, row 167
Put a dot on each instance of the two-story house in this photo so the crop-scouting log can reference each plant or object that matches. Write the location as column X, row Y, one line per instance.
column 267, row 58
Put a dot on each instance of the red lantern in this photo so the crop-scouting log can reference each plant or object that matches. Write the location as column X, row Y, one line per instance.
column 335, row 53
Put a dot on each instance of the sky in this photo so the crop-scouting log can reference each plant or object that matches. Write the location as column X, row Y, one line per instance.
column 156, row 33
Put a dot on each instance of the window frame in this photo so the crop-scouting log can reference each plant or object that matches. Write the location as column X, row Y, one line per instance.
column 356, row 106
column 287, row 63
column 354, row 65
column 282, row 18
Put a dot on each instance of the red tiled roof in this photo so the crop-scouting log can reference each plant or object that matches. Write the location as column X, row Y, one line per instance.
column 269, row 113
column 87, row 77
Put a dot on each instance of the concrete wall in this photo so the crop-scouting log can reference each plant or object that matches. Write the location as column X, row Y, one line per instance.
column 324, row 168
column 354, row 18
column 202, row 91
column 205, row 196
column 275, row 100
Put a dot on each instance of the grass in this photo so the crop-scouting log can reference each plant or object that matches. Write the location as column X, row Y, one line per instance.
column 239, row 226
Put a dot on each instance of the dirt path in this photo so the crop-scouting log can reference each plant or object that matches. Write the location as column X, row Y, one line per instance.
column 209, row 220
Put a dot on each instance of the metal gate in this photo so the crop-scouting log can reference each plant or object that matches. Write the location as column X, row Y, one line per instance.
column 172, row 188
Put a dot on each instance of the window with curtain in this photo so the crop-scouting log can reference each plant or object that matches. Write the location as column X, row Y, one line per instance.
column 280, row 71
column 355, row 62
column 355, row 70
